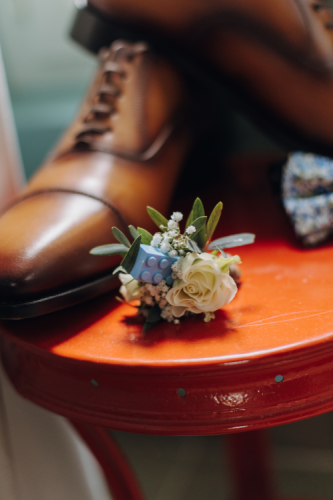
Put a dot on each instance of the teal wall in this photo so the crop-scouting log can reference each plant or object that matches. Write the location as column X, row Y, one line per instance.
column 48, row 75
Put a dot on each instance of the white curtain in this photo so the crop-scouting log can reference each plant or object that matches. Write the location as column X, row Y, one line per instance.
column 41, row 457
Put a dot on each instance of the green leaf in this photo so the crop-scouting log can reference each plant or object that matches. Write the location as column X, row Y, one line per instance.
column 147, row 326
column 189, row 219
column 119, row 269
column 154, row 317
column 120, row 237
column 199, row 211
column 113, row 249
column 222, row 252
column 214, row 220
column 145, row 236
column 158, row 218
column 131, row 255
column 191, row 245
column 154, row 314
column 133, row 232
column 236, row 240
column 198, row 223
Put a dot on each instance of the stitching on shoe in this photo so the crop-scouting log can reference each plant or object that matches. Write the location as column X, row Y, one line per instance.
column 145, row 156
column 91, row 126
column 69, row 191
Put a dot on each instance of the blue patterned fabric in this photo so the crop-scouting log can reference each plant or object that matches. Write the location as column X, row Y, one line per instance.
column 307, row 193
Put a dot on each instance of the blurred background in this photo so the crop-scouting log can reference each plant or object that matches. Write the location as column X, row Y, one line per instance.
column 47, row 76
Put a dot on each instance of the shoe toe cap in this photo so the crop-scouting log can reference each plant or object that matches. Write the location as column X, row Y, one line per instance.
column 45, row 241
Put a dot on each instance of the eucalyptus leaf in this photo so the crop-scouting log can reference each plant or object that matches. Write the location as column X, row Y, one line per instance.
column 236, row 240
column 214, row 220
column 147, row 326
column 199, row 211
column 133, row 232
column 145, row 236
column 119, row 269
column 222, row 252
column 154, row 314
column 198, row 223
column 120, row 237
column 131, row 255
column 113, row 249
column 189, row 219
column 154, row 317
column 191, row 245
column 158, row 218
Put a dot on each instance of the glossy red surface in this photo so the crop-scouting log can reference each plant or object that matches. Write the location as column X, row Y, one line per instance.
column 92, row 363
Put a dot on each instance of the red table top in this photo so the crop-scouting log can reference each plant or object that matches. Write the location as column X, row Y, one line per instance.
column 92, row 361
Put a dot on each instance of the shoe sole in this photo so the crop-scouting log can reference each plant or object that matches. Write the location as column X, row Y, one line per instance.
column 52, row 303
column 93, row 31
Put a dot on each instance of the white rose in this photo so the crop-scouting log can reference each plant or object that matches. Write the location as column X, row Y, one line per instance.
column 130, row 288
column 203, row 287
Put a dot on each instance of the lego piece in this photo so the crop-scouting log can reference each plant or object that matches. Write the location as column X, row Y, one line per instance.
column 153, row 266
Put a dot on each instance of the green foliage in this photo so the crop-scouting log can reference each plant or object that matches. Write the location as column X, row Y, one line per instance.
column 119, row 269
column 199, row 211
column 235, row 240
column 133, row 232
column 146, row 237
column 189, row 219
column 131, row 255
column 158, row 218
column 191, row 245
column 213, row 220
column 113, row 249
column 120, row 237
column 154, row 317
column 198, row 223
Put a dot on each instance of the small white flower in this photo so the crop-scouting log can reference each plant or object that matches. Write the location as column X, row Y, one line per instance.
column 165, row 246
column 173, row 253
column 166, row 314
column 182, row 252
column 157, row 238
column 177, row 216
column 172, row 224
column 190, row 230
column 176, row 321
column 173, row 234
column 149, row 301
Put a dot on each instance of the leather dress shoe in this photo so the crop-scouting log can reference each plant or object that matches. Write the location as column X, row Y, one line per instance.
column 123, row 152
column 275, row 58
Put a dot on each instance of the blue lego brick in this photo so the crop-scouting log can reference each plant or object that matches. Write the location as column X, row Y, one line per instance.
column 153, row 266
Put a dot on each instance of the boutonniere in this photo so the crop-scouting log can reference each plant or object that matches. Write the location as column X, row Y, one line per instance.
column 175, row 274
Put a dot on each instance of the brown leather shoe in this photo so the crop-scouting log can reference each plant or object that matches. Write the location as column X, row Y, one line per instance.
column 274, row 56
column 123, row 152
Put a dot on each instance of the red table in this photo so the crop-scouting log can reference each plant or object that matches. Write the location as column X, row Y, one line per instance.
column 266, row 360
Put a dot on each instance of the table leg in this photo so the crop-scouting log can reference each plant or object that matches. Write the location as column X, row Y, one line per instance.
column 250, row 464
column 119, row 476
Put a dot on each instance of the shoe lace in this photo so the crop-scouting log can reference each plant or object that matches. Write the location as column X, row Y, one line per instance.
column 103, row 102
